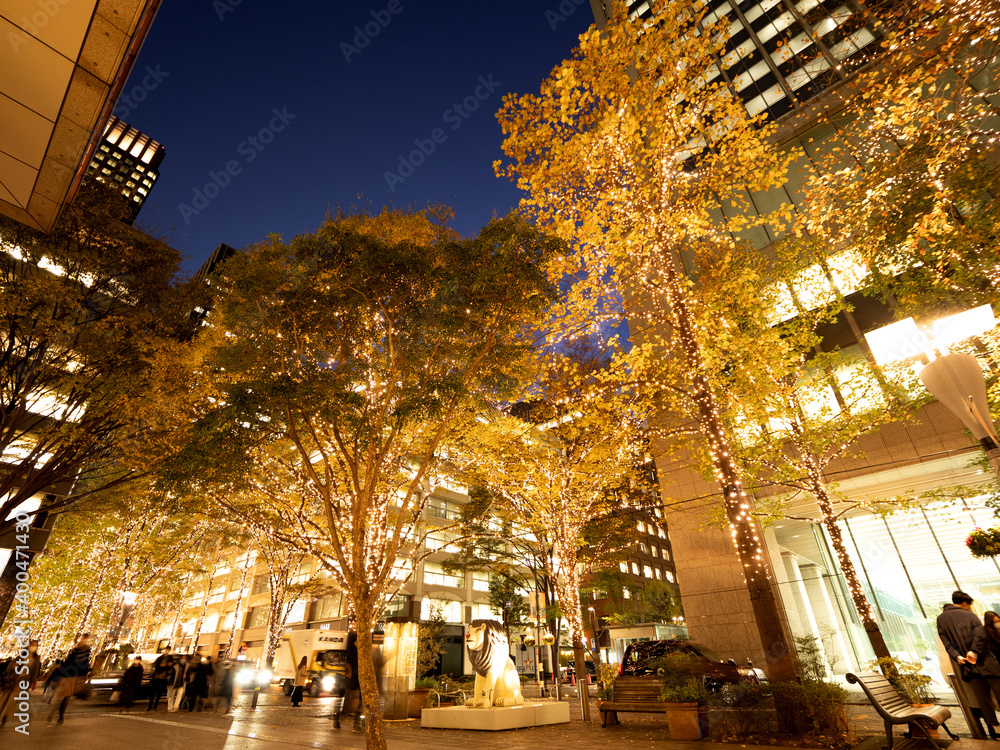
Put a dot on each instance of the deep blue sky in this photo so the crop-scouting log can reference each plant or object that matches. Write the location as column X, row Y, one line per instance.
column 211, row 83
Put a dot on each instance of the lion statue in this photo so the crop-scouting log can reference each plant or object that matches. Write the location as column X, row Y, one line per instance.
column 497, row 681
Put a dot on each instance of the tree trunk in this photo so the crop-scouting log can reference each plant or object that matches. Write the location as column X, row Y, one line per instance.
column 368, row 680
column 861, row 603
column 739, row 507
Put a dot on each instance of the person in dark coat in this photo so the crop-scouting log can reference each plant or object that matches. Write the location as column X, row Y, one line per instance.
column 73, row 675
column 161, row 673
column 986, row 651
column 130, row 683
column 51, row 680
column 353, row 685
column 34, row 664
column 226, row 687
column 957, row 627
column 197, row 689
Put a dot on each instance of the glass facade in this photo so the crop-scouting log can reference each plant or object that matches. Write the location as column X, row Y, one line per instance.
column 908, row 563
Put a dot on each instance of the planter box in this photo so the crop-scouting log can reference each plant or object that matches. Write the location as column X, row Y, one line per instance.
column 415, row 703
column 685, row 720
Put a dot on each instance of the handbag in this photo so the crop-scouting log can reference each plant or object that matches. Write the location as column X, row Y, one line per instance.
column 116, row 696
column 967, row 671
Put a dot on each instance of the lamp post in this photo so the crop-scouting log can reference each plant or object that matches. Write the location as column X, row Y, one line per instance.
column 126, row 603
column 956, row 380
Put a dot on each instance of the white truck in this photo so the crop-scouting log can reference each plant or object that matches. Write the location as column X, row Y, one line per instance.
column 325, row 652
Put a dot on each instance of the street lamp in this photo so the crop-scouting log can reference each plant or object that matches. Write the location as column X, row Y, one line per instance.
column 956, row 380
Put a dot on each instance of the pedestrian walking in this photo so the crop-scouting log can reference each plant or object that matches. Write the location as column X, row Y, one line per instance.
column 129, row 685
column 73, row 676
column 226, row 685
column 301, row 674
column 8, row 689
column 337, row 664
column 957, row 626
column 51, row 681
column 34, row 664
column 353, row 685
column 197, row 687
column 175, row 688
column 158, row 683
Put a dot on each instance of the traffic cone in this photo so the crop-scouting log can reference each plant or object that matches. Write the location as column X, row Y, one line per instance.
column 572, row 680
column 589, row 682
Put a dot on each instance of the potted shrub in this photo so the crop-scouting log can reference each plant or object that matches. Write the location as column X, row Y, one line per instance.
column 418, row 696
column 912, row 684
column 685, row 695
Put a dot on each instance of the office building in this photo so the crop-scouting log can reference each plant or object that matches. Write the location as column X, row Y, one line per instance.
column 127, row 160
column 64, row 67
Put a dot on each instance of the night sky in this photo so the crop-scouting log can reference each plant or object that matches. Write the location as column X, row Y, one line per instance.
column 212, row 75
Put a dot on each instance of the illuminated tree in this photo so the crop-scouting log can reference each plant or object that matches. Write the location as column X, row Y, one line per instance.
column 910, row 179
column 345, row 363
column 93, row 359
column 571, row 459
column 637, row 154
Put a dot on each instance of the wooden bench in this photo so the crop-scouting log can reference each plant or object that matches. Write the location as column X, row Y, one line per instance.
column 633, row 695
column 895, row 710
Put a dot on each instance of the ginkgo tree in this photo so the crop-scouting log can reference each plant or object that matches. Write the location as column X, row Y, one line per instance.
column 345, row 363
column 636, row 152
column 572, row 461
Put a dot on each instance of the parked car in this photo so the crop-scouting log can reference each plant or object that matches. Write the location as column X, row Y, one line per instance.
column 570, row 669
column 102, row 684
column 701, row 661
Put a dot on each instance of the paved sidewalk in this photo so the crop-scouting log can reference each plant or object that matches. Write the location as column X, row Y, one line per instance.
column 275, row 725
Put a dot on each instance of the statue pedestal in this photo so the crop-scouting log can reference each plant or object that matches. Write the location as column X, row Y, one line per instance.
column 495, row 719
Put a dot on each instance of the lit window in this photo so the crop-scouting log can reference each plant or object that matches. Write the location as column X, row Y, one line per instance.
column 623, row 566
column 480, row 580
column 647, row 571
column 642, row 548
column 657, row 572
column 635, row 568
column 652, row 551
column 669, row 575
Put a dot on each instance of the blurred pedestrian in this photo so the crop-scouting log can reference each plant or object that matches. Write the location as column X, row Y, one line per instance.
column 130, row 683
column 337, row 663
column 225, row 695
column 158, row 683
column 73, row 679
column 353, row 685
column 51, row 680
column 197, row 687
column 34, row 664
column 8, row 689
column 301, row 674
column 175, row 688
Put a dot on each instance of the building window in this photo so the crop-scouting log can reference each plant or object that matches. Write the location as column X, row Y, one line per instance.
column 669, row 575
column 653, row 551
column 435, row 574
column 642, row 548
column 480, row 580
column 258, row 617
column 623, row 566
column 328, row 607
column 402, row 568
column 450, row 610
column 635, row 568
column 656, row 572
column 482, row 611
column 398, row 606
column 440, row 508
column 647, row 571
